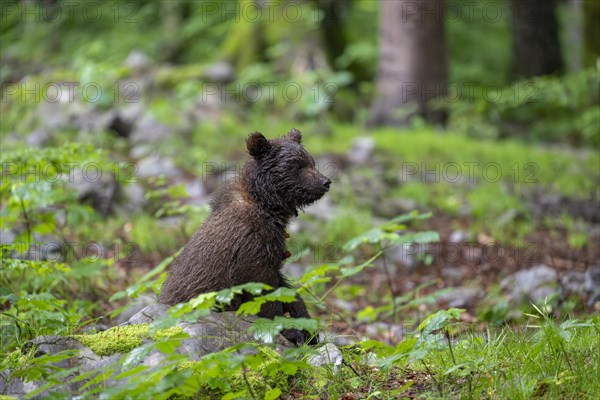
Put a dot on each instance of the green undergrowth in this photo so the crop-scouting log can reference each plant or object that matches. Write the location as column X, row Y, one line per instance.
column 259, row 375
column 493, row 182
column 559, row 170
column 543, row 359
column 442, row 358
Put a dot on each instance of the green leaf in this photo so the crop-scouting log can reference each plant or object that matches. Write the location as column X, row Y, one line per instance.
column 440, row 320
column 387, row 232
column 132, row 371
column 251, row 307
column 136, row 355
column 462, row 370
column 417, row 237
column 265, row 329
column 317, row 274
column 346, row 272
column 273, row 394
column 235, row 395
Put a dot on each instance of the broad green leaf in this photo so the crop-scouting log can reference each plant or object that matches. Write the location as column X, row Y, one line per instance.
column 273, row 394
column 440, row 320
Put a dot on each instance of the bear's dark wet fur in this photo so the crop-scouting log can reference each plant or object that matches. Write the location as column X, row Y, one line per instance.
column 243, row 238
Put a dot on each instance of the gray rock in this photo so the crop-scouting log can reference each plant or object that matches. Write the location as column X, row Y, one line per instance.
column 7, row 236
column 55, row 116
column 134, row 199
column 148, row 314
column 362, row 150
column 402, row 205
column 392, row 333
column 137, row 60
column 585, row 284
column 131, row 112
column 219, row 72
column 212, row 333
column 140, row 151
column 453, row 273
column 573, row 282
column 150, row 130
column 38, row 138
column 345, row 340
column 592, row 285
column 534, row 284
column 207, row 107
column 91, row 121
column 329, row 354
column 155, row 165
column 346, row 305
column 407, row 254
column 462, row 297
column 146, row 303
column 457, row 237
column 95, row 186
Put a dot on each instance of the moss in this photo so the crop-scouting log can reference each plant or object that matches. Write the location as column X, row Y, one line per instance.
column 166, row 333
column 119, row 339
column 317, row 378
column 264, row 376
column 122, row 339
column 262, row 371
column 15, row 357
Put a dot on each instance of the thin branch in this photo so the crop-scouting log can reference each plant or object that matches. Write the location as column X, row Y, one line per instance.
column 391, row 285
column 27, row 220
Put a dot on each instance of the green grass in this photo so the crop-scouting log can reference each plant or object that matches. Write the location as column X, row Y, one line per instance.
column 544, row 359
column 526, row 165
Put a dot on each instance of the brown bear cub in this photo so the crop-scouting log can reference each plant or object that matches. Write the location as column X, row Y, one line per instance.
column 243, row 238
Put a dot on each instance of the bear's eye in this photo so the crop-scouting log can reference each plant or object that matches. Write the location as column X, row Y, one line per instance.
column 300, row 166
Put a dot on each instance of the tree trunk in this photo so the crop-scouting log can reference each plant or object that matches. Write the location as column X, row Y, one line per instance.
column 536, row 48
column 591, row 31
column 335, row 39
column 413, row 66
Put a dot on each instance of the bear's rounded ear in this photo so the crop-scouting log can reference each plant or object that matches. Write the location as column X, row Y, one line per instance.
column 295, row 135
column 258, row 145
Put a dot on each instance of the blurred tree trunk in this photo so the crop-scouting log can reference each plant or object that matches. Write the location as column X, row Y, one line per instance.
column 173, row 15
column 246, row 42
column 574, row 54
column 591, row 31
column 536, row 48
column 413, row 65
column 335, row 39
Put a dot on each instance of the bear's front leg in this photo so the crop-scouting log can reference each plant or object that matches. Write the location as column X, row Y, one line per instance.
column 297, row 309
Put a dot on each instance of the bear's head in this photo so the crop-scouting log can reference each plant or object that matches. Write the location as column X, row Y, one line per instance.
column 282, row 173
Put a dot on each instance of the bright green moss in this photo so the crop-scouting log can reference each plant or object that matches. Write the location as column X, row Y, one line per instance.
column 166, row 333
column 122, row 339
column 264, row 376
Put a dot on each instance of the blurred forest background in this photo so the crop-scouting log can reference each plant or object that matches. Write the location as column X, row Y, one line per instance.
column 120, row 119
